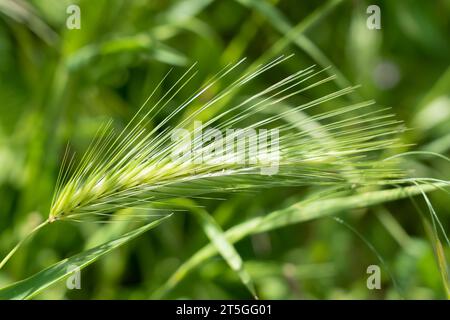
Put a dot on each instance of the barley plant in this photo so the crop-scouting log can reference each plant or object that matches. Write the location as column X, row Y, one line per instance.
column 277, row 164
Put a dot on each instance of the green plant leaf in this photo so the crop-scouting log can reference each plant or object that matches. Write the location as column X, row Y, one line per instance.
column 298, row 212
column 217, row 237
column 27, row 288
column 24, row 12
column 184, row 10
column 294, row 34
column 141, row 43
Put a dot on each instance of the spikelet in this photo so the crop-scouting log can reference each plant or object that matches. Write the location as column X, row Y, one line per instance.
column 137, row 166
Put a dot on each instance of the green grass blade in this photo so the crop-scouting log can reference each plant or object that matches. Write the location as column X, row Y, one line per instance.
column 21, row 242
column 439, row 88
column 294, row 34
column 184, row 10
column 141, row 43
column 31, row 286
column 443, row 268
column 236, row 48
column 224, row 247
column 431, row 232
column 394, row 228
column 299, row 212
column 25, row 13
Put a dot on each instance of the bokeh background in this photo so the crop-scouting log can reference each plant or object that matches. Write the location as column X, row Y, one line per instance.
column 58, row 85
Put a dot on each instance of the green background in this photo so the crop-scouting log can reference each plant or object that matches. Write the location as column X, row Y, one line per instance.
column 59, row 85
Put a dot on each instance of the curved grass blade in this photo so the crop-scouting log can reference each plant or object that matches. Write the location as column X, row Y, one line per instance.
column 293, row 34
column 31, row 286
column 217, row 237
column 137, row 166
column 21, row 242
column 374, row 251
column 299, row 212
column 25, row 13
column 184, row 10
column 141, row 43
column 249, row 29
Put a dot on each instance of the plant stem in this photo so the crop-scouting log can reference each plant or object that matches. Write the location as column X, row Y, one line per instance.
column 19, row 244
column 296, row 213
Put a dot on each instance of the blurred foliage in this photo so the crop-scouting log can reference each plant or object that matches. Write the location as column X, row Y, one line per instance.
column 59, row 85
